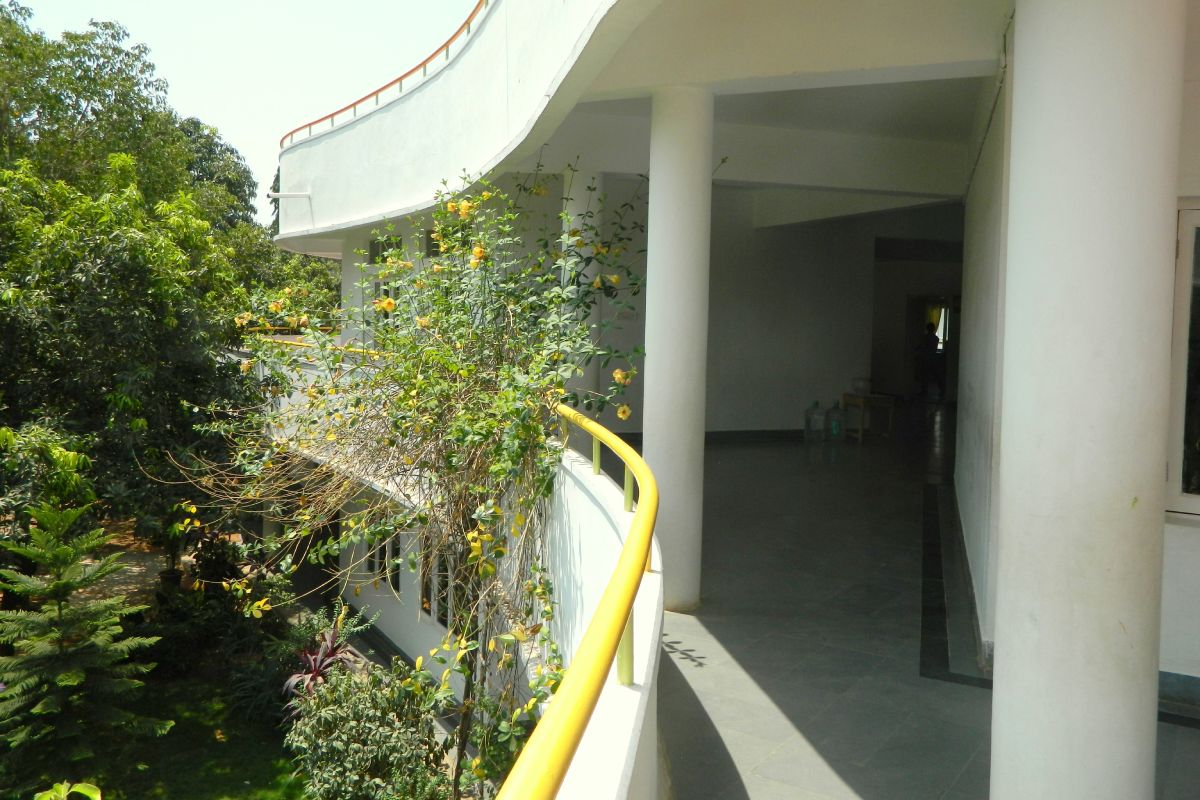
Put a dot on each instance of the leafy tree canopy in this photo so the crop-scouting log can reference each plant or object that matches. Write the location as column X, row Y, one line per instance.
column 113, row 316
column 67, row 104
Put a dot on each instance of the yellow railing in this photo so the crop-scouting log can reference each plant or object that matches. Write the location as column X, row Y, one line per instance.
column 547, row 755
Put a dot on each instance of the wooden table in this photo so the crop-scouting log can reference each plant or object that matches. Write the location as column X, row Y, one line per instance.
column 864, row 402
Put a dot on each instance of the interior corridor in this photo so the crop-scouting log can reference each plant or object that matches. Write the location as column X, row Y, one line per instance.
column 801, row 675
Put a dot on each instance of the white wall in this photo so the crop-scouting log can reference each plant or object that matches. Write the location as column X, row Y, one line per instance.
column 480, row 108
column 586, row 528
column 977, row 450
column 1181, row 596
column 792, row 307
column 585, row 531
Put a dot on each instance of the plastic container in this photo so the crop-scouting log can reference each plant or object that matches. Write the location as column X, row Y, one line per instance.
column 835, row 422
column 814, row 423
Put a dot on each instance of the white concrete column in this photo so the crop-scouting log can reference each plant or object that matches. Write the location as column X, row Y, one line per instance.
column 582, row 209
column 677, row 252
column 1096, row 106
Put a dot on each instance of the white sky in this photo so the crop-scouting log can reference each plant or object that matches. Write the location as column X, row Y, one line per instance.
column 255, row 69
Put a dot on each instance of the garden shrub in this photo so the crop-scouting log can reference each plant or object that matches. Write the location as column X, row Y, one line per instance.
column 372, row 736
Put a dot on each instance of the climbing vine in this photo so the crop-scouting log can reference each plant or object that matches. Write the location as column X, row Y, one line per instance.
column 469, row 335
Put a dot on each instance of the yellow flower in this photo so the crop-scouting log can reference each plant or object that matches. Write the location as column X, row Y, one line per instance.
column 452, row 207
column 486, row 195
column 623, row 411
column 539, row 190
column 422, row 322
column 438, row 268
column 275, row 306
column 613, row 279
column 303, row 322
column 243, row 318
column 385, row 304
column 473, row 263
column 622, row 377
column 465, row 208
column 288, row 291
column 598, row 283
column 247, row 366
column 478, row 252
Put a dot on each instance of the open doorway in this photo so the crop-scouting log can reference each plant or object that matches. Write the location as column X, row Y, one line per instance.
column 913, row 292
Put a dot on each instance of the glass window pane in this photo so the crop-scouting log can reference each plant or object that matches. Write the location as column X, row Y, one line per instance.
column 1191, row 422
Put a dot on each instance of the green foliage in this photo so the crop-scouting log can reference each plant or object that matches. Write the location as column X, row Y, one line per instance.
column 63, row 791
column 372, row 736
column 327, row 650
column 71, row 102
column 71, row 668
column 68, row 104
column 223, row 185
column 213, row 752
column 112, row 317
column 450, row 403
column 39, row 464
column 302, row 286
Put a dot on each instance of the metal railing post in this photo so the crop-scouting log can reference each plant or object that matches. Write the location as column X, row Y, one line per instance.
column 625, row 654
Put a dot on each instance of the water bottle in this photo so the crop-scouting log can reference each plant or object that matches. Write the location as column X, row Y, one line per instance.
column 836, row 422
column 814, row 423
column 818, row 423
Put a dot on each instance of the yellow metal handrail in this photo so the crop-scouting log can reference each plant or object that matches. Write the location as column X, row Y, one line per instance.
column 547, row 755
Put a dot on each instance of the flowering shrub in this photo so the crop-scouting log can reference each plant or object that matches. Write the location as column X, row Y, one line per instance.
column 448, row 400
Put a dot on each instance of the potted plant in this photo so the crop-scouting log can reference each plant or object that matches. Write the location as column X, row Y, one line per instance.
column 172, row 535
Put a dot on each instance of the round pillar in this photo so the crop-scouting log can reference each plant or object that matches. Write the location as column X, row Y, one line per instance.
column 677, row 260
column 1087, row 315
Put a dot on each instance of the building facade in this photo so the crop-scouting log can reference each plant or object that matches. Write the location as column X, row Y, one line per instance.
column 819, row 176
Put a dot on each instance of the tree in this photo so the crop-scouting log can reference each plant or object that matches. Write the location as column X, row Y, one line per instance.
column 71, row 668
column 83, row 97
column 68, row 104
column 113, row 318
column 224, row 185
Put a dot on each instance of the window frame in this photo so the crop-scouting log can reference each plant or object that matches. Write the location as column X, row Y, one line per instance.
column 1186, row 253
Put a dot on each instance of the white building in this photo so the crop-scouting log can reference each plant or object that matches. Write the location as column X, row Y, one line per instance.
column 1058, row 142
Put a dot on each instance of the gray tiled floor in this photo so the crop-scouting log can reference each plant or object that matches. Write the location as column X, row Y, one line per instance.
column 798, row 677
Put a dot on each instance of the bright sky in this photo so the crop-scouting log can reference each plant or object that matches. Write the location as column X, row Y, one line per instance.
column 255, row 69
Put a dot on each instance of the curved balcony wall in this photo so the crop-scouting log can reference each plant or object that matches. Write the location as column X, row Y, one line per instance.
column 519, row 70
column 586, row 530
column 587, row 524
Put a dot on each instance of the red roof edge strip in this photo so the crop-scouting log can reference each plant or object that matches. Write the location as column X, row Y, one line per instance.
column 429, row 59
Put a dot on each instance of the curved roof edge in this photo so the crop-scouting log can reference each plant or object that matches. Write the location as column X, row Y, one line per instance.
column 603, row 33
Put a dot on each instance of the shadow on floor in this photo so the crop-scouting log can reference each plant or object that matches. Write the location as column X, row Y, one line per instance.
column 800, row 675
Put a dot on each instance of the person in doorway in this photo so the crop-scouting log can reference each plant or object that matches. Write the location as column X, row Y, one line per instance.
column 929, row 366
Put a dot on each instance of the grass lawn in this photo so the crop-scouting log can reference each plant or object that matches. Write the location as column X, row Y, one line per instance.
column 213, row 752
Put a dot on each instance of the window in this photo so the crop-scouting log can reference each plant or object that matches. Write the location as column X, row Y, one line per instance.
column 395, row 563
column 1183, row 466
column 443, row 591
